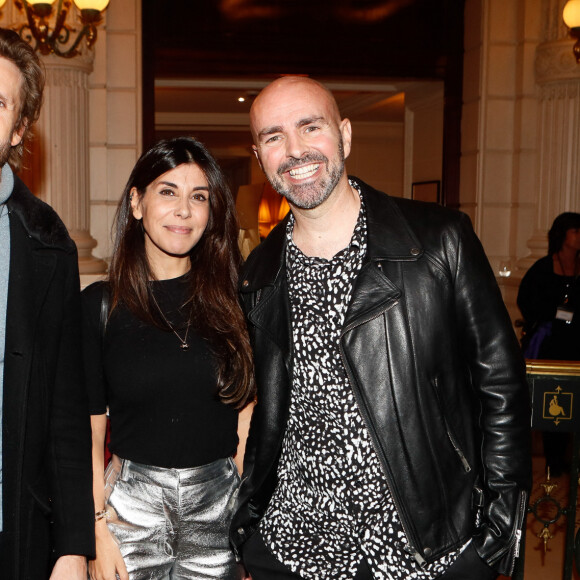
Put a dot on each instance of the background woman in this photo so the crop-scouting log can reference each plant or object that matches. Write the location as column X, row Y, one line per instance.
column 549, row 299
column 170, row 359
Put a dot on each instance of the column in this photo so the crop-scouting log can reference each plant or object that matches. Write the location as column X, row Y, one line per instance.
column 63, row 123
column 558, row 80
column 57, row 167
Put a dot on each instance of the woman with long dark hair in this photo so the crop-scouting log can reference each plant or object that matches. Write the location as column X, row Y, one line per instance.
column 168, row 356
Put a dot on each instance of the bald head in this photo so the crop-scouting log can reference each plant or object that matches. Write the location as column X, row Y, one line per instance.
column 284, row 92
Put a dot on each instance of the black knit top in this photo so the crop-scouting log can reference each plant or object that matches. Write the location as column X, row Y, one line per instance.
column 162, row 400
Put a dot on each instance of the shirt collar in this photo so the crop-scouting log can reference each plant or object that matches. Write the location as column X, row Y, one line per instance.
column 357, row 240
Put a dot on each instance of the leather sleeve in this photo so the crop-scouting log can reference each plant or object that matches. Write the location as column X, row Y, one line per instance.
column 498, row 376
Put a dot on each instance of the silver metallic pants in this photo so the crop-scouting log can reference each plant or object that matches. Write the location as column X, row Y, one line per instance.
column 173, row 523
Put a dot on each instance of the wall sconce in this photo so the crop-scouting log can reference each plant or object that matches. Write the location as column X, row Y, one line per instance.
column 57, row 40
column 571, row 16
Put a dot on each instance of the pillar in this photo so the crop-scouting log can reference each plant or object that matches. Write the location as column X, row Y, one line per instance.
column 63, row 125
column 57, row 168
column 558, row 81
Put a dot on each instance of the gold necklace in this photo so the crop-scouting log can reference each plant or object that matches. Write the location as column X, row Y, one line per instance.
column 184, row 344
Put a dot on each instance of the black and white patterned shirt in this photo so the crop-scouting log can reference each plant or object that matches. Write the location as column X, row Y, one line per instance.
column 332, row 506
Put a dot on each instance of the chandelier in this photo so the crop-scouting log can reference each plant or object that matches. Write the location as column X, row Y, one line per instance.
column 59, row 39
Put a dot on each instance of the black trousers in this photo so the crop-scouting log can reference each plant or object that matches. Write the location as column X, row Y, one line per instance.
column 262, row 565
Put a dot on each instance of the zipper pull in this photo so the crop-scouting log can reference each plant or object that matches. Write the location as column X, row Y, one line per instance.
column 517, row 547
column 418, row 558
column 464, row 461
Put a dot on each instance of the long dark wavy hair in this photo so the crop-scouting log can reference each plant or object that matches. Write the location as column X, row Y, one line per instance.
column 215, row 262
column 557, row 234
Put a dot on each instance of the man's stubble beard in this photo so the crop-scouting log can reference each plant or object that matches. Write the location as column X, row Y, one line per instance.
column 5, row 149
column 308, row 195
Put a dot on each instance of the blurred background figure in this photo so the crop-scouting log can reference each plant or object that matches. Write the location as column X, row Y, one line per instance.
column 549, row 297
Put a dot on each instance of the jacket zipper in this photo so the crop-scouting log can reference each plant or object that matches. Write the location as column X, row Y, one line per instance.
column 452, row 439
column 515, row 540
column 412, row 550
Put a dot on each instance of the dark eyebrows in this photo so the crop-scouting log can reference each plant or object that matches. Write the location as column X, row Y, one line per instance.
column 309, row 121
column 175, row 186
column 270, row 131
column 300, row 123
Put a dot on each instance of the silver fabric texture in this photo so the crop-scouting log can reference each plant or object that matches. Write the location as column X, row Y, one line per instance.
column 172, row 524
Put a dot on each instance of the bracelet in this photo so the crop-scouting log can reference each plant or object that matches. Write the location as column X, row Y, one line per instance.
column 100, row 515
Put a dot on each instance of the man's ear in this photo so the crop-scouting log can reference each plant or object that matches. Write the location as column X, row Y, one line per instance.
column 18, row 133
column 255, row 150
column 346, row 132
column 135, row 200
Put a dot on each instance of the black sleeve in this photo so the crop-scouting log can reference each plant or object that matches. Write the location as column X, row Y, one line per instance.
column 537, row 300
column 498, row 375
column 70, row 436
column 93, row 348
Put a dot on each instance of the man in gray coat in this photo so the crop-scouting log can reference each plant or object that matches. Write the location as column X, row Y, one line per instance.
column 46, row 507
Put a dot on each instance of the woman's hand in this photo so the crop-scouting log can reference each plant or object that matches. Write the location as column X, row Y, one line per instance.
column 70, row 568
column 109, row 561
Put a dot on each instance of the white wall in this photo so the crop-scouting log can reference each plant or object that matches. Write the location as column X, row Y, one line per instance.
column 377, row 156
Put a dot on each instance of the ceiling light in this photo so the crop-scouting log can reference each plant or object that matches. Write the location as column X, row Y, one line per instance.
column 571, row 16
column 58, row 39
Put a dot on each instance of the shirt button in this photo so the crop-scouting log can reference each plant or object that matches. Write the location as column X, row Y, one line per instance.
column 415, row 251
column 241, row 531
column 245, row 283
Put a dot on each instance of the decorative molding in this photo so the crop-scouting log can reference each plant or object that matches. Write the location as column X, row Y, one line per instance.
column 560, row 90
column 555, row 62
column 553, row 26
column 82, row 62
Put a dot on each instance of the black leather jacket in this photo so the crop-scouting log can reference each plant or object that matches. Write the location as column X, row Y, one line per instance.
column 436, row 371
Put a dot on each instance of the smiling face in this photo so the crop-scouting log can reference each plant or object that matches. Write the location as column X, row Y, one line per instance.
column 175, row 212
column 300, row 141
column 10, row 86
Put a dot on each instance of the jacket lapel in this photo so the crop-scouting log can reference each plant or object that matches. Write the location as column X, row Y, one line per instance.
column 390, row 236
column 269, row 283
column 391, row 240
column 279, row 327
column 372, row 294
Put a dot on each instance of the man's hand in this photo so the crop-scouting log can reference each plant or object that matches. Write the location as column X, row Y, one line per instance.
column 70, row 568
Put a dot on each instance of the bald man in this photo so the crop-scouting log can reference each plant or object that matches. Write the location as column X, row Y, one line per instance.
column 391, row 435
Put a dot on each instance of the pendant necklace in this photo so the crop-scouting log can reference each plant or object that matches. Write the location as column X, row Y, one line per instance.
column 184, row 344
column 567, row 284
